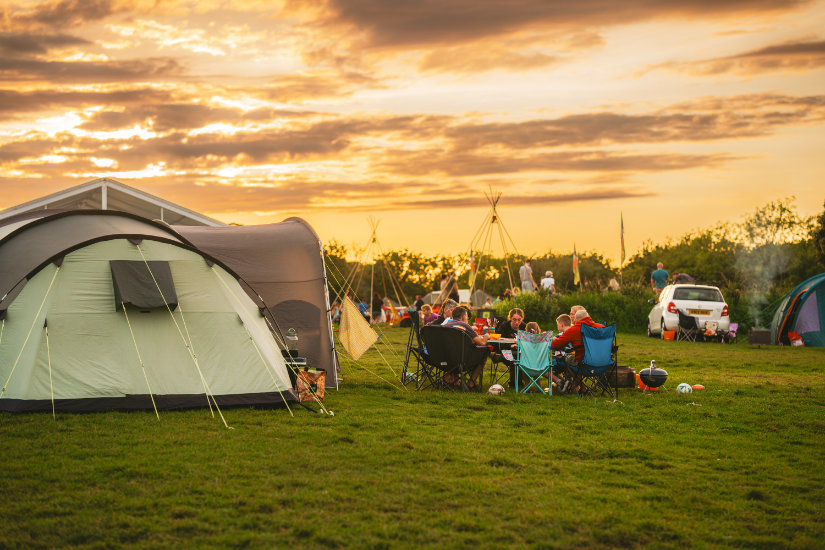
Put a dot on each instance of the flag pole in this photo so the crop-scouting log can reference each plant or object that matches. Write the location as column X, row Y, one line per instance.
column 621, row 261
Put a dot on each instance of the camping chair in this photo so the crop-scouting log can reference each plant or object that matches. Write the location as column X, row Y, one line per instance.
column 688, row 327
column 534, row 359
column 500, row 361
column 451, row 351
column 599, row 364
column 415, row 351
column 729, row 336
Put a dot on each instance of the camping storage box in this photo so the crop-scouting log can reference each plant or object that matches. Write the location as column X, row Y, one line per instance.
column 759, row 337
column 623, row 377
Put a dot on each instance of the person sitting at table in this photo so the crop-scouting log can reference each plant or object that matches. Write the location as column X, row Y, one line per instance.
column 563, row 322
column 427, row 315
column 533, row 328
column 573, row 310
column 509, row 329
column 461, row 321
column 445, row 313
column 573, row 335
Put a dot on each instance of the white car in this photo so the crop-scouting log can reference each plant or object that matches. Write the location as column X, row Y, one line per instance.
column 703, row 302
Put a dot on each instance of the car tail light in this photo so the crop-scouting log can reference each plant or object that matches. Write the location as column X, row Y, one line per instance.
column 671, row 308
column 725, row 311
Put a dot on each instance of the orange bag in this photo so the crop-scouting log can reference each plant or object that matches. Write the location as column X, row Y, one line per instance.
column 311, row 385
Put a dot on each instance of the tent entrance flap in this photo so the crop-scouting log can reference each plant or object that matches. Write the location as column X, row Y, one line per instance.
column 140, row 284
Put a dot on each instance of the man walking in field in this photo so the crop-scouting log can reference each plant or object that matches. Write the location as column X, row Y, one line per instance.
column 658, row 279
column 525, row 272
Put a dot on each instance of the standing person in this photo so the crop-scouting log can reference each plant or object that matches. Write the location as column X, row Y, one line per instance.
column 452, row 287
column 525, row 273
column 658, row 279
column 549, row 282
column 419, row 302
column 377, row 308
column 335, row 312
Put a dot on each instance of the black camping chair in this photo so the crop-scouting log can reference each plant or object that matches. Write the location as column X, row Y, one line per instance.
column 415, row 351
column 688, row 327
column 499, row 366
column 451, row 351
column 598, row 367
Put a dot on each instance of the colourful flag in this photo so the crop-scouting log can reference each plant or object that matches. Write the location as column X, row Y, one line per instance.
column 622, row 230
column 576, row 277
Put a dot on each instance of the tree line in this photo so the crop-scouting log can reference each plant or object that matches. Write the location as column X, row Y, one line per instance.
column 755, row 262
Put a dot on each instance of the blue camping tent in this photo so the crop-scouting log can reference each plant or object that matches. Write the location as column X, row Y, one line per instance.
column 802, row 311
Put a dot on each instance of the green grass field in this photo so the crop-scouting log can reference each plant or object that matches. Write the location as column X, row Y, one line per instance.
column 740, row 464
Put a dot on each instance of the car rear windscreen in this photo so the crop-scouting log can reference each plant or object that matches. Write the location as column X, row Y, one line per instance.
column 698, row 294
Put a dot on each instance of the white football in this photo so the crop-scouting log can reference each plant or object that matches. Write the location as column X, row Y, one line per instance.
column 496, row 389
column 684, row 387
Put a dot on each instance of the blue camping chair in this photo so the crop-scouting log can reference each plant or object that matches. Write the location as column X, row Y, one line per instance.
column 534, row 359
column 598, row 367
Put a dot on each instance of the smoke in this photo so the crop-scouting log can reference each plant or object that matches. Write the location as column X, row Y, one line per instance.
column 759, row 267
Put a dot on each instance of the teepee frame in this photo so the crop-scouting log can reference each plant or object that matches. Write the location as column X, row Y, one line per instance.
column 482, row 242
column 374, row 253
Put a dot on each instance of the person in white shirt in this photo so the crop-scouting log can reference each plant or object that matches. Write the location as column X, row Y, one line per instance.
column 549, row 282
column 525, row 272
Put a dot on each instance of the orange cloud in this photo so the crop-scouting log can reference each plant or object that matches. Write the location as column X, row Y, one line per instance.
column 795, row 57
column 444, row 22
column 60, row 14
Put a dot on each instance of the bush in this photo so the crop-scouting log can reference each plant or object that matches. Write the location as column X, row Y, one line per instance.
column 537, row 306
column 627, row 309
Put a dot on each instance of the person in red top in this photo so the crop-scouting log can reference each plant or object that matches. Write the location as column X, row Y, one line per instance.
column 573, row 335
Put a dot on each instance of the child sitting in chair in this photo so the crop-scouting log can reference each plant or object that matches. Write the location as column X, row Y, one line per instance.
column 427, row 315
column 533, row 328
column 564, row 322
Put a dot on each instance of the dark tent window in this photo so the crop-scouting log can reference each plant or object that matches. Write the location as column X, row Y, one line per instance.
column 135, row 286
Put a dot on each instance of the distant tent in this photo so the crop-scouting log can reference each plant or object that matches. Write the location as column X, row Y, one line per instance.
column 104, row 310
column 479, row 298
column 464, row 297
column 802, row 311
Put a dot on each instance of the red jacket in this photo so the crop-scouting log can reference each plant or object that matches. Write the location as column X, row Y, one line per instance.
column 573, row 335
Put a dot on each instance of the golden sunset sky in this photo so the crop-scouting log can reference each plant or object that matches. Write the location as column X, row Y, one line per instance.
column 679, row 114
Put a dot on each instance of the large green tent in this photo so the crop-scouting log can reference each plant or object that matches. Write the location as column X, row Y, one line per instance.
column 802, row 311
column 106, row 310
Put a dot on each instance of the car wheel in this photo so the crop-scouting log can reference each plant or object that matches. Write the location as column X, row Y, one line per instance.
column 649, row 332
column 662, row 333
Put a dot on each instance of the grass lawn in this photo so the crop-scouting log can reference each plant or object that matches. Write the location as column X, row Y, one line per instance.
column 740, row 464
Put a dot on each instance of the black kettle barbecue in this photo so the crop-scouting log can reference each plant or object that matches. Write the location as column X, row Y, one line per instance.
column 653, row 376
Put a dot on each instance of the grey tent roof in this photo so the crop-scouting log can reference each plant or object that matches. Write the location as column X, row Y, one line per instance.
column 110, row 194
column 29, row 243
column 283, row 264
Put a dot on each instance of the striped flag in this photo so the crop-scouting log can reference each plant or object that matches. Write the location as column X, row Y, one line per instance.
column 576, row 276
column 622, row 233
